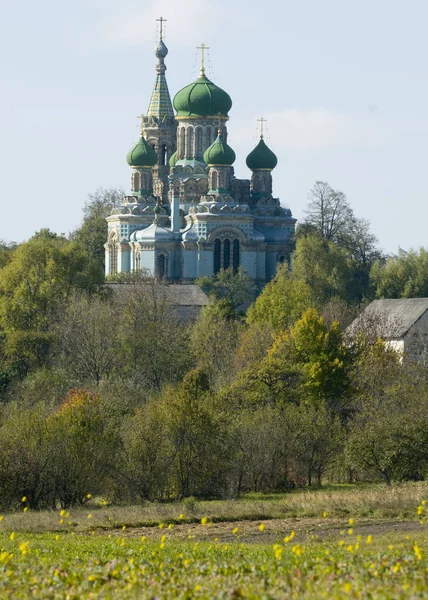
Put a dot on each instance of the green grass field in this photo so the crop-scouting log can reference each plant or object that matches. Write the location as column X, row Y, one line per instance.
column 88, row 554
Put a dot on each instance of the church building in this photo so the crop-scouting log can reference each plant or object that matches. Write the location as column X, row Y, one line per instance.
column 187, row 215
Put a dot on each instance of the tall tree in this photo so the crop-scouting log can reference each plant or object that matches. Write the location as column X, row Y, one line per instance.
column 402, row 276
column 92, row 234
column 329, row 212
column 323, row 267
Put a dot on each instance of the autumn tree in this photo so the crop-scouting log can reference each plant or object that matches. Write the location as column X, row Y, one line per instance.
column 282, row 301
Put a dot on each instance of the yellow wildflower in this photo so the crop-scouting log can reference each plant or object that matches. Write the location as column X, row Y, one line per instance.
column 12, row 536
column 24, row 499
column 235, row 531
column 261, row 527
column 204, row 520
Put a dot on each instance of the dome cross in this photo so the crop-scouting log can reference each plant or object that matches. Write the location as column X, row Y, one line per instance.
column 161, row 20
column 262, row 121
column 202, row 47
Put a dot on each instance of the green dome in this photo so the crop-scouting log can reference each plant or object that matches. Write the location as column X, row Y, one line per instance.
column 219, row 153
column 142, row 155
column 202, row 98
column 261, row 157
column 173, row 159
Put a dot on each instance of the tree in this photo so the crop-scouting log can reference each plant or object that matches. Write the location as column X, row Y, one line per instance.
column 89, row 336
column 330, row 217
column 329, row 213
column 83, row 448
column 402, row 276
column 198, row 433
column 6, row 249
column 323, row 266
column 155, row 340
column 391, row 437
column 92, row 234
column 214, row 340
column 26, row 457
column 321, row 355
column 36, row 282
column 234, row 288
column 282, row 301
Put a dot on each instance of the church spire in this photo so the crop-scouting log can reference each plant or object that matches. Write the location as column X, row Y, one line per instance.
column 160, row 103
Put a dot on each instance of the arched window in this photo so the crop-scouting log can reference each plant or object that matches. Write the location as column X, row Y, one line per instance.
column 209, row 136
column 164, row 154
column 235, row 256
column 161, row 266
column 113, row 254
column 214, row 184
column 181, row 143
column 221, row 179
column 189, row 140
column 136, row 182
column 256, row 183
column 226, row 254
column 217, row 256
column 143, row 185
column 198, row 152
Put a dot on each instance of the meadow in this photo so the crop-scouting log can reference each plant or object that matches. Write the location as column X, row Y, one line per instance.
column 318, row 544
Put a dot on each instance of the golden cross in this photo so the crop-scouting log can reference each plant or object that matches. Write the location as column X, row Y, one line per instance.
column 261, row 121
column 161, row 21
column 203, row 47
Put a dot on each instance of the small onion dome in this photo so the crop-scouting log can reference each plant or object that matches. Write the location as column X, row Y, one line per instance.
column 219, row 153
column 142, row 155
column 261, row 157
column 173, row 159
column 161, row 50
column 202, row 98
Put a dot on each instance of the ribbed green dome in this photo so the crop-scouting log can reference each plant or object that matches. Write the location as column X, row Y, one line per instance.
column 261, row 157
column 202, row 98
column 173, row 159
column 219, row 153
column 142, row 155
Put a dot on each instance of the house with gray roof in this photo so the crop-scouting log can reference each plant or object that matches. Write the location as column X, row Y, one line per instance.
column 402, row 323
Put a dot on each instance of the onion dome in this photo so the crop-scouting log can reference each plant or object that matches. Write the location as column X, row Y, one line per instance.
column 142, row 155
column 261, row 157
column 173, row 159
column 219, row 153
column 202, row 98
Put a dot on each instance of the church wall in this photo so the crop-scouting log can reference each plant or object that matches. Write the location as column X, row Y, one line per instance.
column 249, row 263
column 174, row 264
column 261, row 266
column 190, row 260
column 270, row 265
column 205, row 263
column 107, row 263
column 147, row 261
column 124, row 261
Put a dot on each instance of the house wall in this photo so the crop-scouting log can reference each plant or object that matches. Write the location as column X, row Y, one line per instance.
column 416, row 339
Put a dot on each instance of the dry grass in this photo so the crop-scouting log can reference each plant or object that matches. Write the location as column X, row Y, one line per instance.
column 398, row 502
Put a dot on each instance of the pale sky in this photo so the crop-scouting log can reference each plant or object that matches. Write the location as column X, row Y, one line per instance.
column 344, row 87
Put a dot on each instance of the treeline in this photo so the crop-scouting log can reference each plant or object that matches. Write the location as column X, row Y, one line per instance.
column 116, row 395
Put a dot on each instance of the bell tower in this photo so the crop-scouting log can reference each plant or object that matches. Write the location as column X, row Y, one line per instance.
column 159, row 125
